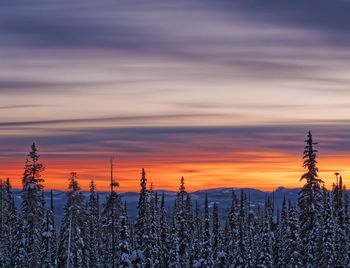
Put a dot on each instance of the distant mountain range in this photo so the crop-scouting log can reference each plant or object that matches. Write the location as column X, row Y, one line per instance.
column 220, row 195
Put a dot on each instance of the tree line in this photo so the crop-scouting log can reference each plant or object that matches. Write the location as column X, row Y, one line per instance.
column 314, row 232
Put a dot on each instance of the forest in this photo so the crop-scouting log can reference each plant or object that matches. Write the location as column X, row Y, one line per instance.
column 313, row 232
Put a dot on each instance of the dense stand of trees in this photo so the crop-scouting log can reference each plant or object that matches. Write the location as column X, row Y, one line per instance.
column 315, row 232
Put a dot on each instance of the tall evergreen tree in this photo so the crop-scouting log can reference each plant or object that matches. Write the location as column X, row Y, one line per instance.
column 152, row 250
column 341, row 243
column 174, row 258
column 73, row 248
column 124, row 244
column 265, row 258
column 293, row 257
column 32, row 208
column 327, row 258
column 182, row 225
column 310, row 204
column 232, row 230
column 142, row 224
column 49, row 237
column 252, row 239
column 280, row 243
column 240, row 244
column 110, row 229
column 94, row 226
column 216, row 236
column 164, row 234
column 197, row 236
column 8, row 225
column 206, row 245
column 110, row 224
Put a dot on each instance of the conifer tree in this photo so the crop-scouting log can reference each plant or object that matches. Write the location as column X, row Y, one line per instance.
column 2, row 227
column 182, row 225
column 197, row 236
column 281, row 237
column 232, row 229
column 141, row 222
column 326, row 259
column 206, row 245
column 216, row 237
column 152, row 251
column 293, row 257
column 164, row 234
column 20, row 245
column 265, row 258
column 73, row 248
column 310, row 204
column 124, row 245
column 240, row 244
column 252, row 239
column 110, row 225
column 49, row 237
column 8, row 225
column 341, row 243
column 174, row 258
column 32, row 208
column 94, row 226
column 110, row 222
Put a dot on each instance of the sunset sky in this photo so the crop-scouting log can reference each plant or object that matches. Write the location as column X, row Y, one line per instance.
column 220, row 92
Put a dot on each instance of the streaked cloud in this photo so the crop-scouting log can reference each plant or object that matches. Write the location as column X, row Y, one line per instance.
column 192, row 86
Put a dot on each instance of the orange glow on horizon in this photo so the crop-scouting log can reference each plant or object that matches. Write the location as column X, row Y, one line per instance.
column 267, row 172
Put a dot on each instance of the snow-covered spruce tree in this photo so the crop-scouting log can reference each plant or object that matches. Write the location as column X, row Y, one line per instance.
column 265, row 258
column 94, row 226
column 164, row 234
column 8, row 225
column 341, row 243
column 2, row 219
column 338, row 193
column 110, row 230
column 32, row 208
column 206, row 254
column 217, row 253
column 183, row 225
column 197, row 236
column 347, row 223
column 142, row 224
column 20, row 253
column 152, row 250
column 73, row 248
column 293, row 257
column 174, row 259
column 252, row 239
column 269, row 211
column 231, row 237
column 124, row 244
column 327, row 257
column 226, row 242
column 281, row 237
column 240, row 243
column 310, row 204
column 190, row 226
column 49, row 237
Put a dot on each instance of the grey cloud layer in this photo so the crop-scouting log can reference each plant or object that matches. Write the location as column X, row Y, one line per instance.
column 82, row 57
column 174, row 142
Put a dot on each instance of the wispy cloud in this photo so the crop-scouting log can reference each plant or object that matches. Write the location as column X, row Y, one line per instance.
column 153, row 80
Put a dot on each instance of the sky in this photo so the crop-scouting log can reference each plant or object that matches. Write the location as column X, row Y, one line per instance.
column 220, row 92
